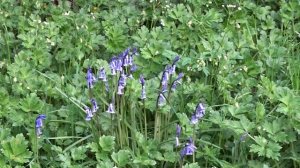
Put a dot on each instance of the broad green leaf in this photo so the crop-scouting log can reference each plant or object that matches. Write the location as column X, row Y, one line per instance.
column 191, row 165
column 143, row 160
column 260, row 111
column 31, row 103
column 107, row 143
column 122, row 158
column 16, row 149
column 78, row 153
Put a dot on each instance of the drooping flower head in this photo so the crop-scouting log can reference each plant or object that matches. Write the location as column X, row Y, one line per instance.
column 121, row 84
column 102, row 75
column 172, row 70
column 106, row 86
column 126, row 58
column 161, row 100
column 111, row 108
column 89, row 114
column 133, row 68
column 189, row 149
column 244, row 136
column 176, row 82
column 39, row 124
column 165, row 79
column 177, row 143
column 194, row 119
column 90, row 78
column 119, row 64
column 200, row 111
column 178, row 130
column 142, row 82
column 113, row 65
column 95, row 106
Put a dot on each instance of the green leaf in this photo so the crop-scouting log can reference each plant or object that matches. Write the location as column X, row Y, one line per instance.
column 143, row 160
column 122, row 157
column 265, row 148
column 31, row 103
column 192, row 165
column 78, row 153
column 15, row 149
column 107, row 143
column 260, row 111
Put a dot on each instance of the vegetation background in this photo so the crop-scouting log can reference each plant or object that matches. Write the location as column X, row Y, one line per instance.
column 240, row 59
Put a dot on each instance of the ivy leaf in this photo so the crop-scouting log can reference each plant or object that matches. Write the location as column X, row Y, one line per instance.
column 107, row 143
column 15, row 149
column 122, row 157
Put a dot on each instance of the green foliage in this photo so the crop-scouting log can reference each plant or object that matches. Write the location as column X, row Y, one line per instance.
column 107, row 143
column 16, row 149
column 240, row 58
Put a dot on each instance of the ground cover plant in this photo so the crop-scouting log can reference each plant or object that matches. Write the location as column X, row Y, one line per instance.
column 149, row 83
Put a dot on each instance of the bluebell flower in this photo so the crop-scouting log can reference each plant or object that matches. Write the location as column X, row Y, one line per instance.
column 102, row 75
column 120, row 90
column 106, row 86
column 189, row 149
column 126, row 61
column 165, row 77
column 111, row 108
column 89, row 114
column 176, row 82
column 126, row 58
column 161, row 99
column 194, row 119
column 143, row 94
column 95, row 106
column 164, row 80
column 200, row 111
column 177, row 143
column 113, row 65
column 142, row 82
column 134, row 51
column 173, row 67
column 244, row 136
column 39, row 124
column 122, row 80
column 164, row 87
column 121, row 84
column 178, row 130
column 119, row 64
column 133, row 68
column 176, row 59
column 130, row 60
column 90, row 78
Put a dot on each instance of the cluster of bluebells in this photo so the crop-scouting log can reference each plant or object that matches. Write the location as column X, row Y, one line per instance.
column 166, row 76
column 39, row 124
column 122, row 66
column 189, row 147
